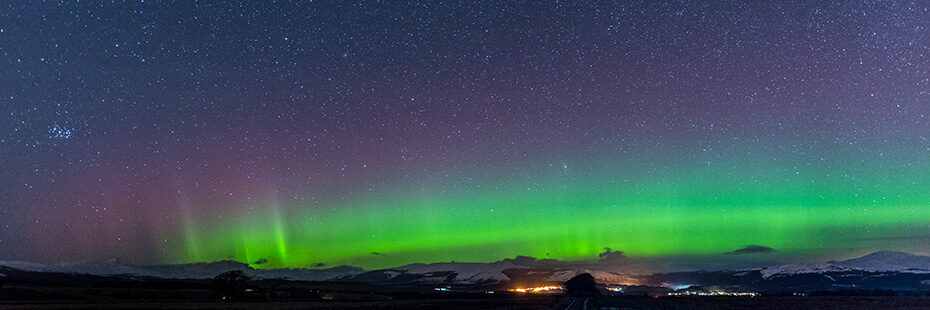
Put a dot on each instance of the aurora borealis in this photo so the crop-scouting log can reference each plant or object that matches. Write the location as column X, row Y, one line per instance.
column 382, row 133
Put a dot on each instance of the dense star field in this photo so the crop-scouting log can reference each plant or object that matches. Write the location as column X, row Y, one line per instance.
column 380, row 133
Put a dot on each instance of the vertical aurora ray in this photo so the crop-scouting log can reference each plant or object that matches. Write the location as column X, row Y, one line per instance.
column 191, row 246
column 279, row 235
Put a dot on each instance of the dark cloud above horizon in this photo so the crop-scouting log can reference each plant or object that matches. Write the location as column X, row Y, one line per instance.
column 606, row 259
column 260, row 261
column 751, row 249
column 610, row 255
column 617, row 261
column 529, row 261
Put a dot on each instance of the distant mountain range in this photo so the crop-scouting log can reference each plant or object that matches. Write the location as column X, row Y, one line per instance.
column 114, row 267
column 877, row 271
column 880, row 270
column 479, row 273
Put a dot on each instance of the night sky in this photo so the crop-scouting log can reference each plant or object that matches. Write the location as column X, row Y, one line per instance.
column 380, row 133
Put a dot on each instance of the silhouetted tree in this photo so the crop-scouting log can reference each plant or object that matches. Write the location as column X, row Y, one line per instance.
column 229, row 284
column 582, row 285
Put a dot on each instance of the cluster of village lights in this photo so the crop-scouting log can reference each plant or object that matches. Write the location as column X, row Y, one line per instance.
column 713, row 293
column 538, row 289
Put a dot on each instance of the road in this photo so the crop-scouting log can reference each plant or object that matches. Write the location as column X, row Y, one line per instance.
column 578, row 303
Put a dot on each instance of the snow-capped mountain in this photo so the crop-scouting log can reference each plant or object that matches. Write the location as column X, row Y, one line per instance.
column 464, row 272
column 793, row 269
column 26, row 266
column 303, row 274
column 603, row 277
column 104, row 267
column 877, row 270
column 885, row 261
column 480, row 273
column 459, row 273
column 888, row 261
column 183, row 271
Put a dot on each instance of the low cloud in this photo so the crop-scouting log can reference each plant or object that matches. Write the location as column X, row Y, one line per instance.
column 317, row 265
column 751, row 249
column 377, row 253
column 617, row 261
column 521, row 260
column 610, row 255
column 529, row 261
column 609, row 259
column 260, row 261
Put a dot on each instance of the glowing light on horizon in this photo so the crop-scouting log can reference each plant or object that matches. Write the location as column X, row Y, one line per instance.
column 538, row 289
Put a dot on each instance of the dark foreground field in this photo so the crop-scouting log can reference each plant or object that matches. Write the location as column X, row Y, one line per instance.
column 41, row 290
column 781, row 303
column 775, row 302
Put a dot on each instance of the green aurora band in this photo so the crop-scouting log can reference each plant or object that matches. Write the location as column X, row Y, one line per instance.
column 577, row 211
